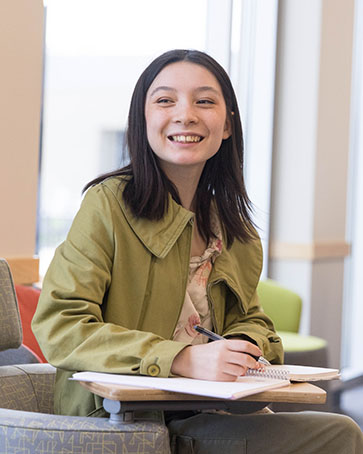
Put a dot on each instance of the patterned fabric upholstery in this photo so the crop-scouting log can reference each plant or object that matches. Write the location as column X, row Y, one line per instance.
column 10, row 325
column 42, row 378
column 30, row 387
column 39, row 433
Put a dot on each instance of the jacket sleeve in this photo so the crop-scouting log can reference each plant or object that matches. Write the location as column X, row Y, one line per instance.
column 256, row 326
column 69, row 322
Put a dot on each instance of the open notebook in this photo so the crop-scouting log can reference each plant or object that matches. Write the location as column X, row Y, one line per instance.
column 295, row 373
column 244, row 386
column 255, row 381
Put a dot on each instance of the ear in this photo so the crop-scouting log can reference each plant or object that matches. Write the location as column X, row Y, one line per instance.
column 227, row 128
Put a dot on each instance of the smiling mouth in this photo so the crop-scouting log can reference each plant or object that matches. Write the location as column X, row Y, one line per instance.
column 185, row 139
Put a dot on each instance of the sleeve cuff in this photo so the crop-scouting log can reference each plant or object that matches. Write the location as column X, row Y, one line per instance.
column 158, row 362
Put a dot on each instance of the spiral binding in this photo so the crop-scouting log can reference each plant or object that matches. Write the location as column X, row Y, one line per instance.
column 269, row 373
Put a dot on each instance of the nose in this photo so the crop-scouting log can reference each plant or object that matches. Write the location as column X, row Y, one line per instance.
column 185, row 114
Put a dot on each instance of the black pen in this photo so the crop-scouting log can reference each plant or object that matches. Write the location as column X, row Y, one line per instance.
column 214, row 336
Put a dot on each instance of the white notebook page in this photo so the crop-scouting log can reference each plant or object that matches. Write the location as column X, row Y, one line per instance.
column 244, row 386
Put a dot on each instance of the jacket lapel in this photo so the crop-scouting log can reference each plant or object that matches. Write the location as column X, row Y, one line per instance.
column 157, row 236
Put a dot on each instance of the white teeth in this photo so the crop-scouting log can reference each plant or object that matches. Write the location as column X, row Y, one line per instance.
column 186, row 138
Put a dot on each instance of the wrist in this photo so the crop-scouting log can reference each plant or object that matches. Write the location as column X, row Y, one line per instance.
column 180, row 362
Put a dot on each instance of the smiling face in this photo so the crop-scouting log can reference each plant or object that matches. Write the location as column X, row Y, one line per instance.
column 186, row 118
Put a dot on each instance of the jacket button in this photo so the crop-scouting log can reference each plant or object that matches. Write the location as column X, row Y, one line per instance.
column 153, row 370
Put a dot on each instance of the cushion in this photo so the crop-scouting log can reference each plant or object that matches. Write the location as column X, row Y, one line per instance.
column 294, row 342
column 27, row 300
column 21, row 355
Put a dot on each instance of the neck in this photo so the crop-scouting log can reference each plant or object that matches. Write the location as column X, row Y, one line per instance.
column 186, row 181
column 187, row 196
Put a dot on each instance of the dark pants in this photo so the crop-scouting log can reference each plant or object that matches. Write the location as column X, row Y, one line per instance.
column 278, row 433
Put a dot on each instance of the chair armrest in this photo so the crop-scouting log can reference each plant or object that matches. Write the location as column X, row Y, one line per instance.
column 28, row 431
column 27, row 387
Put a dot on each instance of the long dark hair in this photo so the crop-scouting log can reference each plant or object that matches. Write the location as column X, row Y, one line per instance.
column 147, row 188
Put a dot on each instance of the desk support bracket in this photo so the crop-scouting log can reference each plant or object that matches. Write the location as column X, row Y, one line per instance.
column 118, row 413
column 123, row 412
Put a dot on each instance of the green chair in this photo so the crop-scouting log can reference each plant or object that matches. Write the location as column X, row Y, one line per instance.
column 284, row 306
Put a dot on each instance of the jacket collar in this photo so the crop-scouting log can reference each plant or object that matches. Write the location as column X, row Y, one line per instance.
column 157, row 236
column 240, row 268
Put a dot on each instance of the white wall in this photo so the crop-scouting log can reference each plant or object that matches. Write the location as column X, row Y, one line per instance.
column 353, row 309
column 311, row 151
column 21, row 43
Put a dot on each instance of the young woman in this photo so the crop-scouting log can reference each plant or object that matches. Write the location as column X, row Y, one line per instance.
column 163, row 244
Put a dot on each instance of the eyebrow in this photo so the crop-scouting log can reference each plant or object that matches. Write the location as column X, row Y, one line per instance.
column 199, row 89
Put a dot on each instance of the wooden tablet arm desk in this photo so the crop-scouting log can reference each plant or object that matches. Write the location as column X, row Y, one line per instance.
column 121, row 401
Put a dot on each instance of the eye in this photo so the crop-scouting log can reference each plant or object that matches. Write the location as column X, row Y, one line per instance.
column 164, row 101
column 205, row 101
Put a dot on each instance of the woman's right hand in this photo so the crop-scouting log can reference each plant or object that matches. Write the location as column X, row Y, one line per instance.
column 223, row 360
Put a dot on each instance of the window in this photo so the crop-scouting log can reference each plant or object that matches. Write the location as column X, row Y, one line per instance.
column 252, row 69
column 96, row 50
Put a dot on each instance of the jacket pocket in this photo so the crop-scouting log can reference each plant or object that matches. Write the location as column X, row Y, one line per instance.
column 182, row 444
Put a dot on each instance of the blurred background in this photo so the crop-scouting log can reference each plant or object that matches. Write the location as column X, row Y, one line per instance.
column 68, row 69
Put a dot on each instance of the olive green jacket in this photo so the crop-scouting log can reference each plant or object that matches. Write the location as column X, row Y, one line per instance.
column 113, row 294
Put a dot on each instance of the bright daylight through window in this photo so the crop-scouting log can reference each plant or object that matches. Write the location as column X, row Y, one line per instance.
column 95, row 51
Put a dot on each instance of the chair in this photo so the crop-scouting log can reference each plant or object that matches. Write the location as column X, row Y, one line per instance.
column 12, row 351
column 284, row 306
column 27, row 422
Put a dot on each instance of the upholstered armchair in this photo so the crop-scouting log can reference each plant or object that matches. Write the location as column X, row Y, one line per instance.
column 27, row 422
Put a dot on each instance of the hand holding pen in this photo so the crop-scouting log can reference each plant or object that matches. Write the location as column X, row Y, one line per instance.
column 214, row 336
column 220, row 361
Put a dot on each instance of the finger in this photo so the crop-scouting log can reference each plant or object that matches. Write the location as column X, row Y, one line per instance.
column 261, row 366
column 222, row 376
column 235, row 370
column 241, row 359
column 241, row 356
column 243, row 346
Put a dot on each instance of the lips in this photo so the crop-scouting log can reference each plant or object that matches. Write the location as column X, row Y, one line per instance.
column 185, row 138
